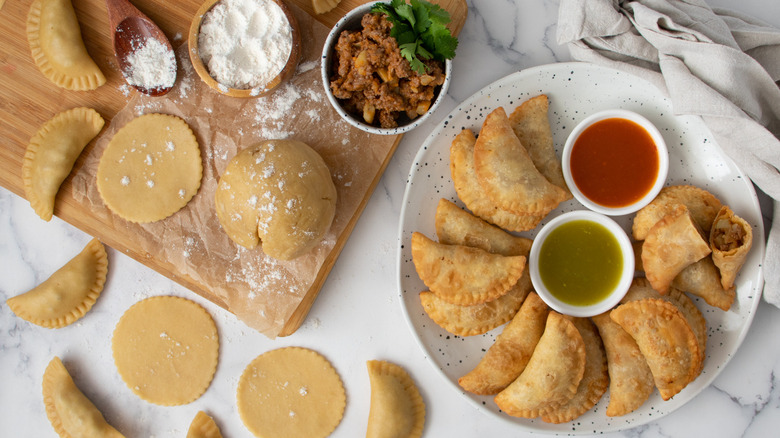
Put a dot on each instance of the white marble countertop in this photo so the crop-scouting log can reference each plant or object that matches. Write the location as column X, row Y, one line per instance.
column 357, row 316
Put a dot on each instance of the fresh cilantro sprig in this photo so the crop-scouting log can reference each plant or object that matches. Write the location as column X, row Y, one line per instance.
column 420, row 28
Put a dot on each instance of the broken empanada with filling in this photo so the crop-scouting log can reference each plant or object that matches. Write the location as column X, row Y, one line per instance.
column 552, row 375
column 509, row 355
column 630, row 379
column 69, row 293
column 665, row 339
column 51, row 153
column 203, row 426
column 730, row 238
column 479, row 318
column 673, row 243
column 70, row 412
column 702, row 205
column 506, row 172
column 455, row 226
column 464, row 177
column 463, row 275
column 57, row 47
column 594, row 381
column 397, row 409
column 530, row 123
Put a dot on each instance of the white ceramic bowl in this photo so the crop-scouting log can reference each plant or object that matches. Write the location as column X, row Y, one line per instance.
column 351, row 21
column 613, row 297
column 663, row 161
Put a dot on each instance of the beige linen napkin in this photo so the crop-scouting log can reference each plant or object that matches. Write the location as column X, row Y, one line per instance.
column 714, row 63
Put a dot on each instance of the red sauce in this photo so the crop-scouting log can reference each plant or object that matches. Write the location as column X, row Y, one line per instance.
column 614, row 162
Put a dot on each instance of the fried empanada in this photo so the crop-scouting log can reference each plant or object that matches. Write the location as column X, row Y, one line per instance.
column 594, row 381
column 665, row 339
column 51, row 153
column 479, row 318
column 702, row 205
column 469, row 190
column 641, row 289
column 455, row 226
column 509, row 355
column 531, row 125
column 70, row 412
column 69, row 293
column 203, row 426
column 731, row 238
column 630, row 379
column 701, row 279
column 672, row 244
column 552, row 375
column 506, row 172
column 397, row 409
column 463, row 275
column 57, row 48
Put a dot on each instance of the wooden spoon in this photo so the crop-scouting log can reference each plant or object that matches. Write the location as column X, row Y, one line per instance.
column 132, row 30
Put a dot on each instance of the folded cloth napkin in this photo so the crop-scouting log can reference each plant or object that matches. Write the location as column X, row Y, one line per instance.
column 718, row 64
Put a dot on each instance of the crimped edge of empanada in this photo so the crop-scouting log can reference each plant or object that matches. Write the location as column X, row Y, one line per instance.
column 203, row 426
column 323, row 6
column 86, row 82
column 91, row 119
column 700, row 202
column 97, row 251
column 384, row 368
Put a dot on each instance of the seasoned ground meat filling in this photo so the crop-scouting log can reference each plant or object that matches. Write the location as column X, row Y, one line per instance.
column 374, row 82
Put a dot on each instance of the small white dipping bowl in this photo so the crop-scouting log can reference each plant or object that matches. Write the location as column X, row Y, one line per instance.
column 351, row 21
column 614, row 296
column 663, row 161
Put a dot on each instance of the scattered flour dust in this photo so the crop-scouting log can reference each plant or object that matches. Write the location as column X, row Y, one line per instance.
column 152, row 64
column 245, row 43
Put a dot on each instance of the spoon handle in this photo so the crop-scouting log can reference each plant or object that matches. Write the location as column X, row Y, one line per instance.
column 118, row 10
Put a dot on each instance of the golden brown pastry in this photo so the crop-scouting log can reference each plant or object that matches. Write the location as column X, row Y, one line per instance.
column 70, row 412
column 69, row 293
column 552, row 375
column 731, row 238
column 397, row 409
column 509, row 355
column 506, row 172
column 702, row 205
column 57, row 48
column 51, row 153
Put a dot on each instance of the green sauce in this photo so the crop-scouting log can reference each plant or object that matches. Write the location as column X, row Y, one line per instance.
column 580, row 262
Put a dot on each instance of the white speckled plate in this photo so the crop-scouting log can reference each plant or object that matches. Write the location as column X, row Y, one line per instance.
column 576, row 90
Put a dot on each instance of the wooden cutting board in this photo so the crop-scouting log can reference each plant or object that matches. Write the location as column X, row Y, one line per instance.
column 28, row 99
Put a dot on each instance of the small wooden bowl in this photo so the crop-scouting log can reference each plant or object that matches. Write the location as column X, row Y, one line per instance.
column 203, row 72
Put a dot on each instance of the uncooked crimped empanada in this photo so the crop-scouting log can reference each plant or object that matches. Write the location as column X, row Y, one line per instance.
column 397, row 409
column 323, row 6
column 478, row 318
column 69, row 293
column 552, row 375
column 673, row 243
column 730, row 238
column 464, row 178
column 665, row 339
column 463, row 275
column 203, row 426
column 530, row 123
column 51, row 153
column 630, row 379
column 594, row 381
column 57, row 48
column 506, row 172
column 455, row 226
column 70, row 412
column 702, row 205
column 509, row 355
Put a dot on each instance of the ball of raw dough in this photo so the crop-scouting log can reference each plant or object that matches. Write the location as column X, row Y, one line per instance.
column 278, row 193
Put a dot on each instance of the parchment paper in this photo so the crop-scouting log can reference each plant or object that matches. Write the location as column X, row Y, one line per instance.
column 259, row 290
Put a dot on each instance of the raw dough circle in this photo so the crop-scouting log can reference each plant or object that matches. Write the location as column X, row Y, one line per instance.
column 280, row 193
column 166, row 349
column 290, row 392
column 150, row 169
